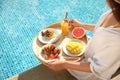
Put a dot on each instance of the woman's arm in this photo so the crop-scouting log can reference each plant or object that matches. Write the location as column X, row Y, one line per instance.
column 75, row 23
column 79, row 66
column 61, row 64
column 89, row 27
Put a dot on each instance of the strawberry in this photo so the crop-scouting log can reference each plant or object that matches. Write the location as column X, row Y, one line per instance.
column 55, row 55
column 52, row 47
column 52, row 56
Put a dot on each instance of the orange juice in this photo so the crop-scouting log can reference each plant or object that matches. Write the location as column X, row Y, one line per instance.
column 64, row 27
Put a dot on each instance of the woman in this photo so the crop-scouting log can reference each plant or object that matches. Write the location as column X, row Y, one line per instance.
column 102, row 56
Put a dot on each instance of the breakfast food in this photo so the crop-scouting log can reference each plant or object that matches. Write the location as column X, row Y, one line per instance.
column 74, row 47
column 50, row 52
column 78, row 32
column 48, row 33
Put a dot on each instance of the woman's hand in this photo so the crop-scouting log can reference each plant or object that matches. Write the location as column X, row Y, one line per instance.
column 75, row 23
column 61, row 64
column 57, row 65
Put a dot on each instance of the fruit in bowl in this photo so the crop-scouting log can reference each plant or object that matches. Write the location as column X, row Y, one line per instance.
column 78, row 32
column 50, row 52
column 47, row 33
column 74, row 47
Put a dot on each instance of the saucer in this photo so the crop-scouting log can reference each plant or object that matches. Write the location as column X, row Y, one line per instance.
column 57, row 34
column 69, row 53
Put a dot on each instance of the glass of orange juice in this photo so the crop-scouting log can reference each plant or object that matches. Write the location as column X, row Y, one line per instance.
column 64, row 25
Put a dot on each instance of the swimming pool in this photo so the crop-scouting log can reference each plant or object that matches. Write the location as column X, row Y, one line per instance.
column 21, row 20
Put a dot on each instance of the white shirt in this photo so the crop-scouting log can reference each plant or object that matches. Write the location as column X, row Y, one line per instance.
column 103, row 53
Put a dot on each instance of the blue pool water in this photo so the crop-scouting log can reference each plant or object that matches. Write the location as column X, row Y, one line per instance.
column 21, row 20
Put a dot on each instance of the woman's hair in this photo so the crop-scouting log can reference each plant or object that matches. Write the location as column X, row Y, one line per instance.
column 115, row 9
